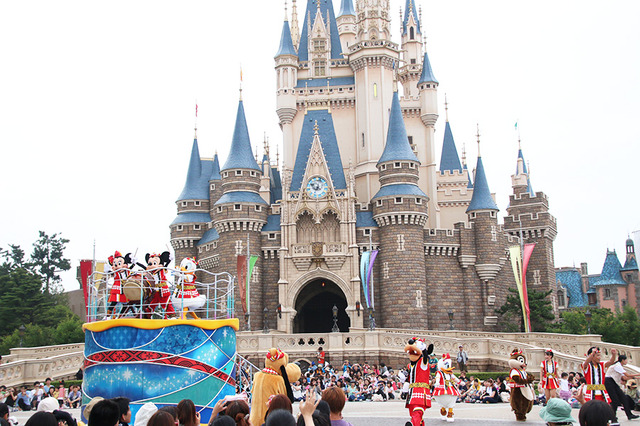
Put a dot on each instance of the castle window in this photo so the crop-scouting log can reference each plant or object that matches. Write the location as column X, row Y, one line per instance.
column 561, row 301
column 413, row 61
column 197, row 203
column 237, row 207
column 319, row 68
column 196, row 227
column 473, row 215
column 366, row 232
column 624, row 302
column 258, row 208
column 364, row 206
column 396, row 165
column 375, row 90
column 184, row 204
column 412, row 166
column 493, row 214
column 363, row 139
column 383, row 167
column 213, row 186
column 272, row 236
column 238, row 172
column 379, row 203
column 179, row 228
column 418, row 200
column 225, row 174
column 319, row 45
column 208, row 247
column 398, row 200
column 412, row 34
column 607, row 293
column 215, row 244
column 253, row 174
column 219, row 209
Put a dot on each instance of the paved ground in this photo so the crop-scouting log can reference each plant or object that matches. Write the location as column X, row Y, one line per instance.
column 393, row 413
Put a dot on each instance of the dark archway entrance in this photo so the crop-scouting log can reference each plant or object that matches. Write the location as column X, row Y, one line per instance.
column 314, row 306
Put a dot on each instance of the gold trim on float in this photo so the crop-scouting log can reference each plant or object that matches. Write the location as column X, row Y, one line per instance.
column 154, row 324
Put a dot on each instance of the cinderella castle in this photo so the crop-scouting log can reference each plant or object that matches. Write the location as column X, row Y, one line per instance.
column 360, row 173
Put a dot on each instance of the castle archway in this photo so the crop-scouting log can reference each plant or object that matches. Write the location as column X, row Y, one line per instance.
column 314, row 304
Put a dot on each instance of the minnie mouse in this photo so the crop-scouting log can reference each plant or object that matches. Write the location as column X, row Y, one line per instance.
column 120, row 268
column 156, row 266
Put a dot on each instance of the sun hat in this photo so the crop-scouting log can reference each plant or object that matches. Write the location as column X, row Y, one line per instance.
column 144, row 414
column 87, row 410
column 48, row 404
column 557, row 411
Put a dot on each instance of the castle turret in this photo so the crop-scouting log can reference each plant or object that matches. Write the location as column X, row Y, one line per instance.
column 400, row 210
column 347, row 24
column 411, row 68
column 373, row 20
column 287, row 76
column 454, row 194
column 193, row 207
column 240, row 215
column 528, row 217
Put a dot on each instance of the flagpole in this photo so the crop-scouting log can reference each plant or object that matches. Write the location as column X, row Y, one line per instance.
column 248, row 286
column 370, row 250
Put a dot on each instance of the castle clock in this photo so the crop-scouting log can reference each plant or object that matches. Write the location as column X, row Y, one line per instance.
column 317, row 187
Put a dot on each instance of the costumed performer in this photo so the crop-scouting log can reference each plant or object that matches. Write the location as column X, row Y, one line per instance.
column 120, row 268
column 156, row 266
column 522, row 394
column 445, row 390
column 186, row 298
column 419, row 396
column 549, row 374
column 594, row 370
column 275, row 378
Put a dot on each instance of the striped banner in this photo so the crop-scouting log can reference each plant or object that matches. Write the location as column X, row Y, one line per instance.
column 519, row 265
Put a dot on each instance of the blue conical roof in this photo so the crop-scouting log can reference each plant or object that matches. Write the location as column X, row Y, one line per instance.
column 193, row 188
column 449, row 159
column 410, row 9
column 470, row 184
column 611, row 270
column 524, row 170
column 397, row 146
column 481, row 199
column 215, row 173
column 427, row 73
column 240, row 154
column 326, row 7
column 347, row 8
column 286, row 43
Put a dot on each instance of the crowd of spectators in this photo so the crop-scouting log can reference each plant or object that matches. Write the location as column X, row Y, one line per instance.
column 25, row 399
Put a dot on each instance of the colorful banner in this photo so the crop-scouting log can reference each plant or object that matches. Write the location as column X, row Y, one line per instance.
column 519, row 266
column 242, row 281
column 374, row 253
column 364, row 263
column 252, row 264
column 86, row 269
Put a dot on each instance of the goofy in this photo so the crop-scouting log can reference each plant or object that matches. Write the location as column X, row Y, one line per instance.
column 419, row 396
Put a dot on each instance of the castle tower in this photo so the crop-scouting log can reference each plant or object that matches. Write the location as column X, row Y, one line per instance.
column 240, row 214
column 372, row 60
column 410, row 70
column 453, row 180
column 400, row 210
column 428, row 106
column 631, row 275
column 528, row 215
column 287, row 75
column 193, row 207
column 347, row 24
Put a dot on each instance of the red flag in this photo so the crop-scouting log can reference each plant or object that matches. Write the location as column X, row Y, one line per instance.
column 196, row 110
column 242, row 279
column 86, row 268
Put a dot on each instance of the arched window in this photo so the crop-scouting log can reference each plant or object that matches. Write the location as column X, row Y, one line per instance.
column 330, row 227
column 305, row 229
column 412, row 34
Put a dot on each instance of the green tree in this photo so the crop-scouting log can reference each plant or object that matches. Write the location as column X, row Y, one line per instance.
column 540, row 309
column 47, row 260
column 69, row 331
column 13, row 257
column 21, row 300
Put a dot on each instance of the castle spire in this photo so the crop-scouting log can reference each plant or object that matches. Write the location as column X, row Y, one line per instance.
column 427, row 73
column 324, row 9
column 192, row 187
column 295, row 29
column 397, row 146
column 449, row 160
column 215, row 172
column 410, row 11
column 240, row 153
column 481, row 199
column 286, row 42
column 346, row 8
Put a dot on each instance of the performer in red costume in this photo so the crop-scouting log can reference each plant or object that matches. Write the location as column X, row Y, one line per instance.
column 419, row 396
column 120, row 270
column 594, row 370
column 156, row 266
column 549, row 374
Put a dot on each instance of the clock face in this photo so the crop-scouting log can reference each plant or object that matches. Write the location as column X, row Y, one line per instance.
column 317, row 187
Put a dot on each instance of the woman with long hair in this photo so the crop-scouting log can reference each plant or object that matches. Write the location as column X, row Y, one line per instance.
column 161, row 418
column 187, row 415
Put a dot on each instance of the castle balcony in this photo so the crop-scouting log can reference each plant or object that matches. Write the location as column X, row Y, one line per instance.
column 333, row 254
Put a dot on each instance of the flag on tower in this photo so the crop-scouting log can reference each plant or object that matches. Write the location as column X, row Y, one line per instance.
column 196, row 110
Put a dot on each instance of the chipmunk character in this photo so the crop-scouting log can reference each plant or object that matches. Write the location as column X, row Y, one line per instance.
column 156, row 266
column 120, row 268
column 445, row 391
column 187, row 299
column 275, row 378
column 522, row 394
column 419, row 396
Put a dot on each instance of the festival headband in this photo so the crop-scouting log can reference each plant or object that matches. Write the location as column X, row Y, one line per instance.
column 279, row 355
column 516, row 352
column 549, row 351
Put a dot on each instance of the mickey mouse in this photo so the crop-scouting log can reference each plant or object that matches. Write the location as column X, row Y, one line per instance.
column 156, row 266
column 120, row 268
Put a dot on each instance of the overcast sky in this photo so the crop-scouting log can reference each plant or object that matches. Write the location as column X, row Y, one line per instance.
column 97, row 109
